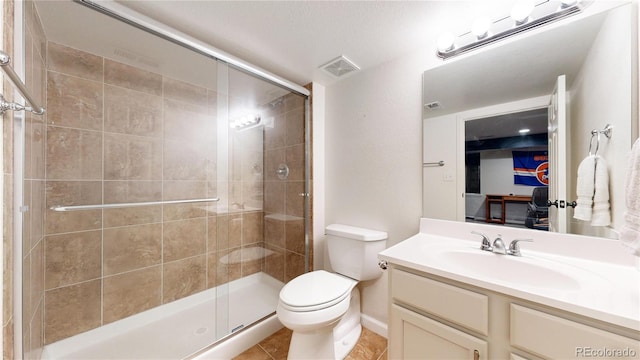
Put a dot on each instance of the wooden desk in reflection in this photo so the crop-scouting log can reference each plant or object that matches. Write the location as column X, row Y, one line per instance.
column 502, row 200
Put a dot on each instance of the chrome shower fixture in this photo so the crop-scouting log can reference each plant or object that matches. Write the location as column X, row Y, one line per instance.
column 282, row 171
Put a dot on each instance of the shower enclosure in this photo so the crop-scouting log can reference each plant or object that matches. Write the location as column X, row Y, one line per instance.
column 167, row 191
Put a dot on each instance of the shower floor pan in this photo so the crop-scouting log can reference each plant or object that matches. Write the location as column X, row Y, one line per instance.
column 177, row 329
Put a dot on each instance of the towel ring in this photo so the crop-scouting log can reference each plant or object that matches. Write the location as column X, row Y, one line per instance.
column 597, row 142
column 606, row 131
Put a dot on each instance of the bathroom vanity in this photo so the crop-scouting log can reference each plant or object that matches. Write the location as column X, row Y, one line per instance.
column 566, row 297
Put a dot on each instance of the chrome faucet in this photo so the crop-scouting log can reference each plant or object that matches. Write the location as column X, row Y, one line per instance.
column 498, row 246
column 514, row 248
column 486, row 244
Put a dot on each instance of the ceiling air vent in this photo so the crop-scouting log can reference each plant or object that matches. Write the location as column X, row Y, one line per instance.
column 433, row 105
column 339, row 66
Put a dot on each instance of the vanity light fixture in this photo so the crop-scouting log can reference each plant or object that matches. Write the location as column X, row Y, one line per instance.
column 245, row 122
column 524, row 131
column 521, row 11
column 526, row 15
column 480, row 27
column 445, row 42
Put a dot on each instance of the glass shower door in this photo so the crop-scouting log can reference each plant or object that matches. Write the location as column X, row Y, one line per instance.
column 261, row 126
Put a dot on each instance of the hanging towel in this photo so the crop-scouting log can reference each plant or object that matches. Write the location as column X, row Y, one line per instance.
column 630, row 234
column 585, row 188
column 601, row 215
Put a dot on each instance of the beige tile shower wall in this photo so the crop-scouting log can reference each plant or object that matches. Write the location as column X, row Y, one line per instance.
column 116, row 133
column 283, row 204
column 33, row 187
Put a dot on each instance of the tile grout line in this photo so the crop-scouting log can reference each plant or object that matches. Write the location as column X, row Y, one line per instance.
column 265, row 351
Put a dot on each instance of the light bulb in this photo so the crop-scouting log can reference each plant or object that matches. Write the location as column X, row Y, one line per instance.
column 445, row 42
column 480, row 27
column 568, row 3
column 521, row 11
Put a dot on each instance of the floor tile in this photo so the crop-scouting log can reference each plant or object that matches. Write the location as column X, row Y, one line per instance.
column 277, row 345
column 370, row 346
column 253, row 353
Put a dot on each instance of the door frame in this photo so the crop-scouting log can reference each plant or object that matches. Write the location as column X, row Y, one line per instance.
column 479, row 113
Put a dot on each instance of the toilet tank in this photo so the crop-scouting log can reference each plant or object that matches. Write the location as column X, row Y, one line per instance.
column 353, row 251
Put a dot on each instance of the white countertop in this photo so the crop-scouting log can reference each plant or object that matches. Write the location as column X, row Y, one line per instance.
column 606, row 290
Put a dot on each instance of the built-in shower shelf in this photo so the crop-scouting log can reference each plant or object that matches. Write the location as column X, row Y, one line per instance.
column 283, row 217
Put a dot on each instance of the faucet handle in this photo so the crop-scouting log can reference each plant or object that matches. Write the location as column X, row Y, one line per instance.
column 486, row 243
column 514, row 248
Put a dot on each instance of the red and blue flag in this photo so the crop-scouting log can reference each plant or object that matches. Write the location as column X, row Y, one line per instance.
column 531, row 168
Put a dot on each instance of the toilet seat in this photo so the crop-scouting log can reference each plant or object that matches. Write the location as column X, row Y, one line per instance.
column 315, row 290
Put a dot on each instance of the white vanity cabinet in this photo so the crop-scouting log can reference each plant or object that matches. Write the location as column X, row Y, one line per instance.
column 416, row 336
column 436, row 318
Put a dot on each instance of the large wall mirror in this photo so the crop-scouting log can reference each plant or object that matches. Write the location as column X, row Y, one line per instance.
column 583, row 69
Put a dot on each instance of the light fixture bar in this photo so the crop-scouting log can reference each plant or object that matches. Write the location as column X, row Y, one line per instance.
column 543, row 13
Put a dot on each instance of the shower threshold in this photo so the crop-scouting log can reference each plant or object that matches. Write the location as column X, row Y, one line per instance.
column 177, row 329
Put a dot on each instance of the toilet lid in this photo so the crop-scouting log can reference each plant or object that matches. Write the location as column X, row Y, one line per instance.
column 315, row 290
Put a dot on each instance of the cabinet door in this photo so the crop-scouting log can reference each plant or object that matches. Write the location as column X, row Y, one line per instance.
column 553, row 337
column 413, row 336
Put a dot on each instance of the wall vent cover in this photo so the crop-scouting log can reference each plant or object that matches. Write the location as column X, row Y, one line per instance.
column 339, row 66
column 433, row 105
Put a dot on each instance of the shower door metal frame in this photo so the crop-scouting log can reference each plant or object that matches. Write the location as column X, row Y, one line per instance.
column 122, row 13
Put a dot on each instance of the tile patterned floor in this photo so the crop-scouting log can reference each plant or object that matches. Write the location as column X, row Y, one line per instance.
column 370, row 346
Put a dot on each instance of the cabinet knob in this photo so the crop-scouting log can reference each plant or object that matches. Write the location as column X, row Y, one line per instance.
column 476, row 355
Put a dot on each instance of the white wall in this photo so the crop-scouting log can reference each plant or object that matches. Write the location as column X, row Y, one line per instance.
column 439, row 182
column 373, row 157
column 594, row 105
column 318, row 166
column 496, row 174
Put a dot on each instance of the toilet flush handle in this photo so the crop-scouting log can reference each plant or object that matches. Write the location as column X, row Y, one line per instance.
column 383, row 264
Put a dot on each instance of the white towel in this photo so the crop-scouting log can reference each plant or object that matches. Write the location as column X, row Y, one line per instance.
column 601, row 215
column 630, row 234
column 585, row 188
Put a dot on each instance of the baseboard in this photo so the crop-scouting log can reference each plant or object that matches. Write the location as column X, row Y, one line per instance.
column 374, row 325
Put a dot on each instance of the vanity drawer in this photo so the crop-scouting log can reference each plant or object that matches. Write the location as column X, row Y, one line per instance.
column 557, row 338
column 463, row 307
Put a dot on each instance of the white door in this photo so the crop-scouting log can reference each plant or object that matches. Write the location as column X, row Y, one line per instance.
column 558, row 214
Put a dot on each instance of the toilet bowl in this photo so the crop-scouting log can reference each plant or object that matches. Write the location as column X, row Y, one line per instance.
column 323, row 308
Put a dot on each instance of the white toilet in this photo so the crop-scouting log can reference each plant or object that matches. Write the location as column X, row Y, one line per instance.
column 323, row 308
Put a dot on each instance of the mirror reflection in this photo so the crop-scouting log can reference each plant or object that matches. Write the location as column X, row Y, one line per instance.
column 484, row 99
column 506, row 158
